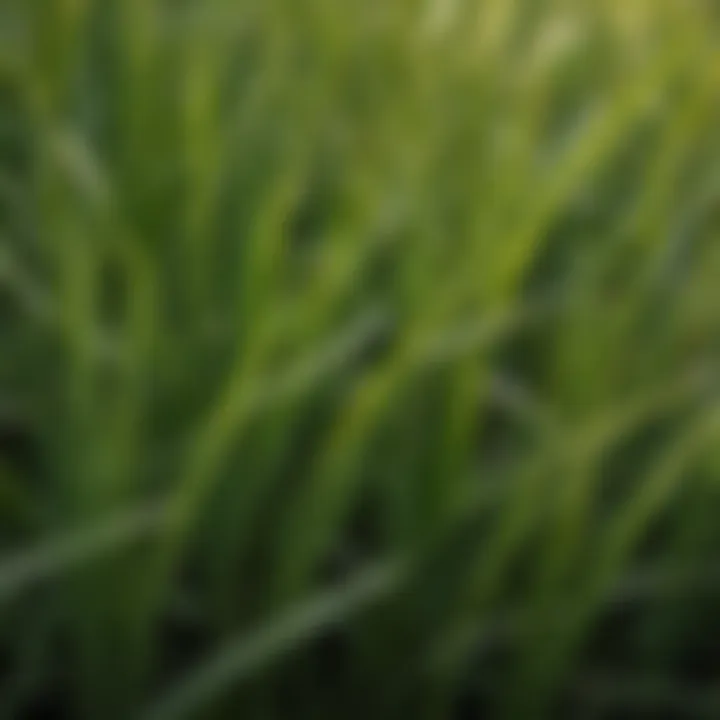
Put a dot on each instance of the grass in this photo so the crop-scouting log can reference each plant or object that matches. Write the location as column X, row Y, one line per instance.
column 358, row 359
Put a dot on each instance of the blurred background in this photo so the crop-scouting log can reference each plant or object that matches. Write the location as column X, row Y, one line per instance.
column 359, row 359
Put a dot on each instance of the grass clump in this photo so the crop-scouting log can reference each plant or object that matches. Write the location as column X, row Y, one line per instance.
column 358, row 359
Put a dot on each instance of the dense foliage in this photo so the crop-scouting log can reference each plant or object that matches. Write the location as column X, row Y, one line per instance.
column 359, row 359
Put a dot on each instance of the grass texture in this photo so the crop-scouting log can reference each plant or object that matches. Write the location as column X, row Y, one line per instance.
column 359, row 359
